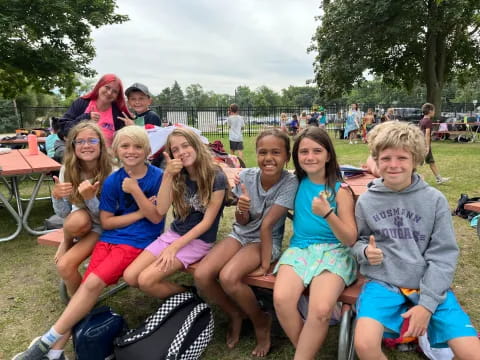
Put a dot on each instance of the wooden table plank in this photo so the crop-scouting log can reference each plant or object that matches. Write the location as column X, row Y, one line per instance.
column 14, row 163
column 22, row 141
column 40, row 162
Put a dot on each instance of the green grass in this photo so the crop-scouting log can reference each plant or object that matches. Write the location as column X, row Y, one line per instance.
column 29, row 300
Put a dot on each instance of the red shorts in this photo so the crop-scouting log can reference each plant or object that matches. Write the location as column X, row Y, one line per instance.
column 108, row 261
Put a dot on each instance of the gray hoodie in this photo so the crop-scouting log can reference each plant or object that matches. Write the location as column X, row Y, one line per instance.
column 414, row 229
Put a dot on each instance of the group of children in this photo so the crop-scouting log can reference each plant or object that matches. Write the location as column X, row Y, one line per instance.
column 399, row 232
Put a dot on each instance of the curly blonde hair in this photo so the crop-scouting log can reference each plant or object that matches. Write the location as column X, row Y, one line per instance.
column 73, row 166
column 397, row 134
column 205, row 167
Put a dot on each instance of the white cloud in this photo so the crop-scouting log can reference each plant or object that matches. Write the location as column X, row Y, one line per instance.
column 219, row 44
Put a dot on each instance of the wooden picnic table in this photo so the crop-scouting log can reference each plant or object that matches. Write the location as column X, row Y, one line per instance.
column 21, row 141
column 467, row 131
column 13, row 165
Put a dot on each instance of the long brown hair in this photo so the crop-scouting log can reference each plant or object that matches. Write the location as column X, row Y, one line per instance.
column 73, row 166
column 205, row 167
column 332, row 169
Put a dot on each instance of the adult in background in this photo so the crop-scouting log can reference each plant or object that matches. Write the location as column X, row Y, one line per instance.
column 367, row 124
column 352, row 124
column 389, row 115
column 104, row 105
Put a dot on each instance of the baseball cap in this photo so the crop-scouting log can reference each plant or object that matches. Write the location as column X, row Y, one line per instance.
column 138, row 87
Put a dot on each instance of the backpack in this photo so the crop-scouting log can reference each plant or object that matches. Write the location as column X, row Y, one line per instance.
column 460, row 210
column 93, row 336
column 181, row 328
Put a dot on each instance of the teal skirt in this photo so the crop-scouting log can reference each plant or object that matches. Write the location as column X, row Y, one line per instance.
column 313, row 260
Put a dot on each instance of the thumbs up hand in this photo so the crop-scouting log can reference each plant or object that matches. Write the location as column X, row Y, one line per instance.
column 374, row 255
column 61, row 190
column 320, row 205
column 174, row 166
column 87, row 190
column 243, row 203
column 130, row 184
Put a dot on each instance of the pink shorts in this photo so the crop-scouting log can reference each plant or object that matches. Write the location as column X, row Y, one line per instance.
column 189, row 254
column 108, row 261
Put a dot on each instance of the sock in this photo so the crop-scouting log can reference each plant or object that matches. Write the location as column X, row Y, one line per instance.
column 438, row 177
column 54, row 354
column 51, row 337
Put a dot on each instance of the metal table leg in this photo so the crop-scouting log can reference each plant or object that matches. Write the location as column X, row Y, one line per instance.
column 30, row 206
column 17, row 215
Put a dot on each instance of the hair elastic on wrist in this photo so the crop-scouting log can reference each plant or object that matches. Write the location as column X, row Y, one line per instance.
column 328, row 213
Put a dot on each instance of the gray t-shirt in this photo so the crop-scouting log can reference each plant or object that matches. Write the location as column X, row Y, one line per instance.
column 235, row 122
column 282, row 193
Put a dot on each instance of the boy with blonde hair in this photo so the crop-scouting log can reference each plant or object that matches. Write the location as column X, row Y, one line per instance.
column 407, row 251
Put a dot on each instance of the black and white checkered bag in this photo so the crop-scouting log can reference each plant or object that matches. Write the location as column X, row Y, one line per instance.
column 181, row 328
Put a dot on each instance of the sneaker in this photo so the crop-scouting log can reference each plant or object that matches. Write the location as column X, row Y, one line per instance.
column 442, row 180
column 37, row 350
column 350, row 142
column 62, row 357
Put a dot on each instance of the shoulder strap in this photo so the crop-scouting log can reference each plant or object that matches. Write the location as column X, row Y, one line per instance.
column 156, row 319
column 173, row 351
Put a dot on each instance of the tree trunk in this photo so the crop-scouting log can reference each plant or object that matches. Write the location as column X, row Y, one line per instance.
column 435, row 58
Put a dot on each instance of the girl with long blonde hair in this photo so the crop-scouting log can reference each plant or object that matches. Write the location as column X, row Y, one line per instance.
column 75, row 197
column 196, row 187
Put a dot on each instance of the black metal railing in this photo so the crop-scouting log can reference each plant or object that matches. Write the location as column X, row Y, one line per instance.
column 212, row 121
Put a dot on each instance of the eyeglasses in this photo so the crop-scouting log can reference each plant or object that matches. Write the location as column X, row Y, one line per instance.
column 91, row 141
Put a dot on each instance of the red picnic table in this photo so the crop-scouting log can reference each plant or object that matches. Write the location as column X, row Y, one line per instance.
column 13, row 165
column 21, row 141
column 358, row 183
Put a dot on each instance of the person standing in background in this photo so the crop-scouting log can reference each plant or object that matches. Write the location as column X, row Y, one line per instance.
column 235, row 123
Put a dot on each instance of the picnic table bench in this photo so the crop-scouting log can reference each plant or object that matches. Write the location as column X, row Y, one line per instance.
column 445, row 130
column 348, row 297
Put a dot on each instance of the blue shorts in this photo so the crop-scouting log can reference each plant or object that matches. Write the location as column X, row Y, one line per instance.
column 385, row 304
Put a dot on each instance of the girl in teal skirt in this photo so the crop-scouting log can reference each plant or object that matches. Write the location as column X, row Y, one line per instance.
column 319, row 254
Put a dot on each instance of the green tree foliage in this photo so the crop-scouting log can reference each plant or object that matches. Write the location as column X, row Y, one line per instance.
column 303, row 96
column 44, row 43
column 403, row 42
column 195, row 96
column 176, row 95
column 265, row 96
column 244, row 97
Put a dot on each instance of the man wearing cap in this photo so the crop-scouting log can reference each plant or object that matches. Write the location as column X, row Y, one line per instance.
column 139, row 99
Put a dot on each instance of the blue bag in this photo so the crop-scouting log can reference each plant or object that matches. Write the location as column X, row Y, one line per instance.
column 93, row 336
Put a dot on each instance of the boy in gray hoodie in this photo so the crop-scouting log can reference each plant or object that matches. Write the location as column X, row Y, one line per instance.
column 408, row 252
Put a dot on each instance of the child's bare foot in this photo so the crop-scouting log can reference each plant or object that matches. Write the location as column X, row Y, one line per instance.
column 62, row 249
column 262, row 333
column 233, row 332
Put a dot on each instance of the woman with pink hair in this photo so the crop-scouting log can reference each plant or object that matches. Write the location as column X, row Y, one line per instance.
column 105, row 105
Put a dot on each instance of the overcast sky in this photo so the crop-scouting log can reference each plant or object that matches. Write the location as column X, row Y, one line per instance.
column 218, row 44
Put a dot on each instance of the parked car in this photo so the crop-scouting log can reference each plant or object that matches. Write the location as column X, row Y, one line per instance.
column 413, row 115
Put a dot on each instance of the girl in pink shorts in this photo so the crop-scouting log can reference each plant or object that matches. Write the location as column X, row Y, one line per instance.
column 196, row 188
